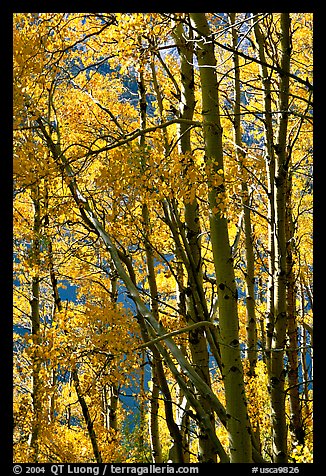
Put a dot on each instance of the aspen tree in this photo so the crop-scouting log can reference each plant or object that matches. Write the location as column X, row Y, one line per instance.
column 277, row 169
column 236, row 406
column 251, row 327
column 154, row 400
column 178, row 451
column 303, row 353
column 195, row 299
column 270, row 173
column 36, row 335
column 113, row 390
column 277, row 376
column 292, row 325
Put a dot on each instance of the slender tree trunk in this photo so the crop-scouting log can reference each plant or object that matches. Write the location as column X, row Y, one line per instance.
column 238, row 424
column 105, row 407
column 262, row 321
column 114, row 396
column 114, row 399
column 279, row 341
column 194, row 294
column 251, row 326
column 270, row 172
column 305, row 373
column 180, row 444
column 142, row 409
column 303, row 353
column 35, row 318
column 154, row 428
column 87, row 416
column 56, row 297
column 308, row 290
column 177, row 450
column 154, row 402
column 183, row 422
column 277, row 164
column 110, row 401
column 296, row 424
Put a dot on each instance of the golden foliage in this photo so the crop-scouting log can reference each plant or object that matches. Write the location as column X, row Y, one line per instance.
column 76, row 100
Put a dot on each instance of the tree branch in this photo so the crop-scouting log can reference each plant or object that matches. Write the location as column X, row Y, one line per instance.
column 174, row 333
